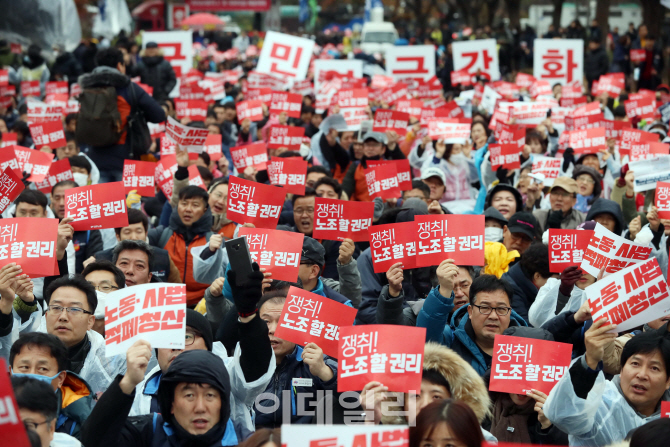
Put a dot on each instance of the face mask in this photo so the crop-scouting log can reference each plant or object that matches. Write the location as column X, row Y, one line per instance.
column 80, row 179
column 44, row 379
column 100, row 309
column 493, row 234
column 458, row 158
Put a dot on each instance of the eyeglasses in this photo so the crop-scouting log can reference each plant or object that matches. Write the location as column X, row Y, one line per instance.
column 586, row 179
column 217, row 195
column 190, row 337
column 30, row 425
column 486, row 310
column 301, row 211
column 105, row 288
column 74, row 311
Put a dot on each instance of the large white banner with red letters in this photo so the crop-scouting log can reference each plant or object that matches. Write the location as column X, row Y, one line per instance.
column 558, row 61
column 411, row 62
column 612, row 252
column 476, row 55
column 350, row 68
column 285, row 55
column 177, row 48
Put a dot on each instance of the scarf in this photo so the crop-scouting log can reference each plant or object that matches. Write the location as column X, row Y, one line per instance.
column 78, row 353
column 583, row 203
column 506, row 414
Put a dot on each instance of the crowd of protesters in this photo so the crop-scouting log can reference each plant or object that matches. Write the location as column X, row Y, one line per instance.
column 223, row 387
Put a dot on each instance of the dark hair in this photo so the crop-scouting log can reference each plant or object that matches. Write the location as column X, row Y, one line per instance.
column 309, row 192
column 458, row 416
column 229, row 105
column 130, row 244
column 217, row 182
column 35, row 395
column 319, row 169
column 275, row 296
column 50, row 342
column 79, row 161
column 69, row 136
column 206, row 174
column 119, row 277
column 262, row 437
column 420, row 185
column 109, row 57
column 329, row 181
column 651, row 434
column 205, row 157
column 535, row 260
column 436, row 378
column 32, row 197
column 647, row 343
column 76, row 282
column 307, row 109
column 490, row 283
column 69, row 183
column 535, row 135
column 73, row 116
column 192, row 191
column 34, row 438
column 134, row 217
column 470, row 269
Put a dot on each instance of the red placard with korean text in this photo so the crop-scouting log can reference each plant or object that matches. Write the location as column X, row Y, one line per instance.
column 57, row 88
column 606, row 249
column 139, row 176
column 4, row 77
column 8, row 159
column 165, row 169
column 249, row 109
column 644, row 108
column 638, row 55
column 151, row 312
column 336, row 220
column 256, row 203
column 276, row 251
column 382, row 353
column 645, row 151
column 213, row 147
column 662, row 200
column 522, row 364
column 13, row 430
column 96, row 207
column 390, row 120
column 34, row 162
column 566, row 248
column 630, row 297
column 573, row 102
column 291, row 103
column 524, row 80
column 10, row 188
column 402, row 168
column 59, row 171
column 289, row 173
column 311, row 318
column 629, row 136
column 194, row 177
column 30, row 88
column 31, row 243
column 49, row 133
column 412, row 107
column 382, row 181
column 392, row 243
column 254, row 154
column 461, row 77
column 510, row 134
column 195, row 109
column 665, row 409
column 450, row 132
column 189, row 138
column 454, row 236
column 612, row 83
column 505, row 155
column 9, row 139
column 588, row 141
column 289, row 137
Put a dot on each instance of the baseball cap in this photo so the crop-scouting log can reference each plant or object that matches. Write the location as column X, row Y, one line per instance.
column 151, row 45
column 566, row 183
column 523, row 223
column 376, row 136
column 415, row 203
column 434, row 172
column 313, row 251
column 492, row 213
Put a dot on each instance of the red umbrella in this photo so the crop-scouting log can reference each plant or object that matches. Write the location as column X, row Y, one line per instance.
column 202, row 20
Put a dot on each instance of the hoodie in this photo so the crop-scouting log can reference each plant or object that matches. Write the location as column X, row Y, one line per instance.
column 612, row 208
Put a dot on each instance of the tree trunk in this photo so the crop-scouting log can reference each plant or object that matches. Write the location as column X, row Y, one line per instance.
column 514, row 11
column 602, row 16
column 419, row 16
column 653, row 14
column 556, row 16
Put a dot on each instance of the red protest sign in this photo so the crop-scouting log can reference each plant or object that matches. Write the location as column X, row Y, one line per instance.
column 291, row 103
column 524, row 80
column 311, row 318
column 505, row 155
column 191, row 108
column 461, row 77
column 254, row 154
column 96, row 207
column 540, row 88
column 402, row 168
column 566, row 248
column 510, row 134
column 630, row 297
column 390, row 120
column 612, row 83
column 336, row 220
column 10, row 188
column 139, row 176
column 30, row 88
column 412, row 107
column 455, row 236
column 613, row 129
column 194, row 177
column 188, row 138
column 31, row 243
column 4, row 77
column 606, row 249
column 276, row 251
column 450, row 132
column 260, row 94
column 592, row 108
column 352, row 98
column 638, row 55
column 522, row 364
column 588, row 141
column 13, row 430
column 382, row 353
column 393, row 243
column 165, row 169
column 57, row 88
column 59, row 171
column 629, row 136
column 644, row 151
column 644, row 108
column 168, row 147
column 665, row 409
column 662, row 199
column 8, row 159
column 256, row 203
column 289, row 137
column 49, row 133
column 213, row 147
column 573, row 102
column 382, row 181
column 9, row 139
column 249, row 109
column 159, row 319
column 290, row 173
column 34, row 162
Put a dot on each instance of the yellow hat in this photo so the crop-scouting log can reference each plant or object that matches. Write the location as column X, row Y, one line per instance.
column 498, row 258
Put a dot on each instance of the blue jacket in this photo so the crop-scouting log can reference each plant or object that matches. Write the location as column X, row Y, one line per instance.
column 433, row 316
column 292, row 367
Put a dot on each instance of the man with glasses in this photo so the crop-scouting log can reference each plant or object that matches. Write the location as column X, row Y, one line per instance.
column 38, row 409
column 472, row 329
column 562, row 197
column 70, row 317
